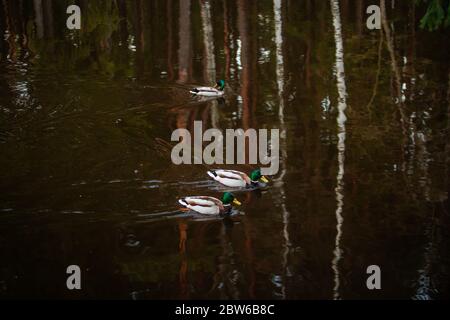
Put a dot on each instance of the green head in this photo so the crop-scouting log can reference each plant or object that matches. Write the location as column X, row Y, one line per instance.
column 220, row 85
column 229, row 198
column 256, row 176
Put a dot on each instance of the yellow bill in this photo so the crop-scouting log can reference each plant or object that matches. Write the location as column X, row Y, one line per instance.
column 236, row 202
column 264, row 179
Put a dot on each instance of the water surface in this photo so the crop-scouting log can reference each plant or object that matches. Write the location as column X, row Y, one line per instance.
column 85, row 171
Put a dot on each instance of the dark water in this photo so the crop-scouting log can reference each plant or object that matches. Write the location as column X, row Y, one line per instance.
column 86, row 177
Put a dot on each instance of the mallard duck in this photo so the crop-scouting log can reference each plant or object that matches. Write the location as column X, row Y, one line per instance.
column 216, row 91
column 209, row 205
column 237, row 179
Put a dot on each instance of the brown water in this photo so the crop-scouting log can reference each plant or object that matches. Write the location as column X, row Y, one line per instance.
column 86, row 177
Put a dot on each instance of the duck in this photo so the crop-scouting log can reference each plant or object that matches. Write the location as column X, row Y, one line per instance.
column 237, row 179
column 216, row 91
column 210, row 206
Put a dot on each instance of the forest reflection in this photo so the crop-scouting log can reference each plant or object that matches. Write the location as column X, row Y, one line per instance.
column 85, row 124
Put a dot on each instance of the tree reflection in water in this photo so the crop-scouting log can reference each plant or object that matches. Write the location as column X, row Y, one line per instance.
column 85, row 124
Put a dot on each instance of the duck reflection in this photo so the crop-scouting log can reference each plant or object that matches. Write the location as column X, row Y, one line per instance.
column 227, row 277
